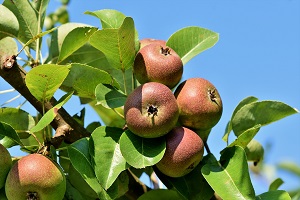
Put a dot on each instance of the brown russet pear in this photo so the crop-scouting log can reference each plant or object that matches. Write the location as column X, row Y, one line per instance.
column 199, row 103
column 35, row 177
column 151, row 110
column 158, row 63
column 5, row 164
column 184, row 151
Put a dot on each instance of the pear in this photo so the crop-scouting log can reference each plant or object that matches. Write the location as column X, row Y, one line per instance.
column 151, row 110
column 184, row 151
column 5, row 164
column 35, row 177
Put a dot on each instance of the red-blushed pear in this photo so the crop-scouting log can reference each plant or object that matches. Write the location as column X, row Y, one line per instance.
column 35, row 177
column 199, row 103
column 5, row 164
column 158, row 63
column 144, row 42
column 151, row 110
column 184, row 151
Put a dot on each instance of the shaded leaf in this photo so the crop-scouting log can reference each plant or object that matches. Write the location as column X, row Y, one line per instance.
column 274, row 195
column 106, row 154
column 109, row 18
column 159, row 194
column 8, row 47
column 109, row 97
column 43, row 80
column 9, row 25
column 276, row 184
column 7, row 131
column 27, row 18
column 84, row 79
column 141, row 152
column 190, row 41
column 79, row 158
column 81, row 35
column 230, row 178
column 20, row 120
column 263, row 112
column 51, row 114
column 118, row 45
column 119, row 187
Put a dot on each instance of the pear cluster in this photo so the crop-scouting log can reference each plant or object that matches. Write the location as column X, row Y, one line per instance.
column 184, row 116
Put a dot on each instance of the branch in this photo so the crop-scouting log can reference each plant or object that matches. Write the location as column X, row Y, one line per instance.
column 67, row 129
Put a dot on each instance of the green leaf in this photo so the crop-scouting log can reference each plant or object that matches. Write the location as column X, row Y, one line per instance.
column 276, row 184
column 263, row 112
column 190, row 41
column 109, row 18
column 74, row 40
column 118, row 45
column 8, row 47
column 27, row 18
column 141, row 152
column 290, row 166
column 109, row 97
column 51, row 114
column 244, row 102
column 20, row 120
column 9, row 25
column 80, row 161
column 244, row 139
column 231, row 179
column 159, row 194
column 120, row 186
column 106, row 154
column 274, row 195
column 84, row 79
column 7, row 131
column 191, row 186
column 44, row 80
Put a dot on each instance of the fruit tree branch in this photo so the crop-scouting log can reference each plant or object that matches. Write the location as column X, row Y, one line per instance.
column 67, row 129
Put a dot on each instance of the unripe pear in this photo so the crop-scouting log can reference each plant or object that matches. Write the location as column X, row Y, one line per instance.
column 184, row 151
column 151, row 110
column 35, row 177
column 158, row 63
column 144, row 42
column 5, row 164
column 254, row 151
column 199, row 103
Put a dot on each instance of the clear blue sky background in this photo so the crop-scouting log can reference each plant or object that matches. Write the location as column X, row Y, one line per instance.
column 258, row 54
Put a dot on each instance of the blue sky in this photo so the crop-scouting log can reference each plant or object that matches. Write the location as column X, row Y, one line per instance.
column 258, row 54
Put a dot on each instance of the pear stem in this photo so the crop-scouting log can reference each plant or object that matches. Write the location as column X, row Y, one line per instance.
column 206, row 147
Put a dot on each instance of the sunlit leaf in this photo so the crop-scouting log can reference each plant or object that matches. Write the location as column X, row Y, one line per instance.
column 290, row 166
column 109, row 97
column 141, row 152
column 9, row 25
column 230, row 177
column 43, row 80
column 106, row 154
column 74, row 40
column 274, row 195
column 84, row 79
column 27, row 18
column 263, row 113
column 51, row 114
column 109, row 18
column 190, row 41
column 118, row 45
column 276, row 184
